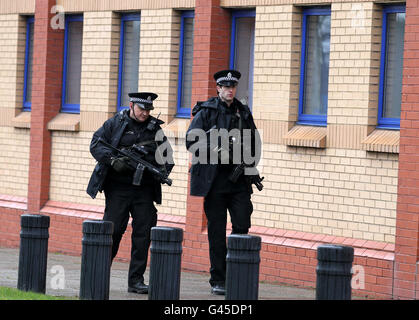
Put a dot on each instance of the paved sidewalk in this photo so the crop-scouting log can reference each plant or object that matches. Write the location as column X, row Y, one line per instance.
column 193, row 286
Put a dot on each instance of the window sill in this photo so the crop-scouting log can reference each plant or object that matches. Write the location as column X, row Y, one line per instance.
column 382, row 141
column 306, row 136
column 65, row 122
column 22, row 120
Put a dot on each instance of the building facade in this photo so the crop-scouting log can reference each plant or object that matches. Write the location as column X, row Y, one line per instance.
column 332, row 85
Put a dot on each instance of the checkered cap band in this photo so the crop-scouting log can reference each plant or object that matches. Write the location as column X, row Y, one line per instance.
column 139, row 100
column 227, row 79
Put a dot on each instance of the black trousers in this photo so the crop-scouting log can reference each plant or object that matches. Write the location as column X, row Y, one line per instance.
column 121, row 201
column 225, row 196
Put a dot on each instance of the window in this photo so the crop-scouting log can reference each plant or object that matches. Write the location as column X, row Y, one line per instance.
column 27, row 84
column 242, row 52
column 129, row 58
column 73, row 38
column 314, row 71
column 185, row 65
column 391, row 67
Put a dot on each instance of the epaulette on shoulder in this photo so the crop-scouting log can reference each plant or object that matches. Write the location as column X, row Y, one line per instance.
column 210, row 103
column 154, row 122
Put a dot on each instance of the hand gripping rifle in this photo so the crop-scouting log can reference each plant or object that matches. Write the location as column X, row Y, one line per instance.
column 139, row 164
column 254, row 179
column 240, row 169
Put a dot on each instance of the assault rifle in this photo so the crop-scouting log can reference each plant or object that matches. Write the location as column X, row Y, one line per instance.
column 139, row 164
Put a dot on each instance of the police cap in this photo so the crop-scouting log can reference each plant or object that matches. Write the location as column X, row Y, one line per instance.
column 144, row 100
column 227, row 78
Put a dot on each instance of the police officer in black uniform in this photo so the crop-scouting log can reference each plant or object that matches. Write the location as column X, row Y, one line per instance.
column 211, row 179
column 114, row 176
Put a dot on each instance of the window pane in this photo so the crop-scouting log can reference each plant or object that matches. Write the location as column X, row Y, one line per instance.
column 131, row 58
column 243, row 57
column 394, row 65
column 73, row 70
column 316, row 72
column 28, row 79
column 187, row 63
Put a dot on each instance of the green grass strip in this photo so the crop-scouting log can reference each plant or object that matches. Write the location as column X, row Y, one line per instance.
column 15, row 294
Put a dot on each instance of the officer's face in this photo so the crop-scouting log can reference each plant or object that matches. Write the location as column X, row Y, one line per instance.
column 227, row 93
column 141, row 115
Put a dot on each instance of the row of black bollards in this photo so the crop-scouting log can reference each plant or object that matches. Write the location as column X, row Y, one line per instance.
column 243, row 259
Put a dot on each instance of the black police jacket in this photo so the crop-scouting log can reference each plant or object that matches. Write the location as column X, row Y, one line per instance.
column 207, row 115
column 112, row 131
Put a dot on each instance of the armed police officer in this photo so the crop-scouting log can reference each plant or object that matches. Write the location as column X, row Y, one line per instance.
column 214, row 168
column 113, row 174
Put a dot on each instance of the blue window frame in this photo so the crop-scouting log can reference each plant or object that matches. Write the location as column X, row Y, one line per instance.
column 391, row 67
column 314, row 73
column 129, row 58
column 242, row 52
column 27, row 82
column 73, row 40
column 184, row 87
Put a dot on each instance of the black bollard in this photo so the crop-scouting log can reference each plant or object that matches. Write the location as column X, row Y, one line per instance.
column 334, row 272
column 243, row 258
column 165, row 262
column 96, row 260
column 33, row 253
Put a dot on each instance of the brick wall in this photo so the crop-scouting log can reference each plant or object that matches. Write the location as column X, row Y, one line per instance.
column 99, row 74
column 159, row 56
column 342, row 194
column 46, row 102
column 14, row 142
column 334, row 191
column 406, row 281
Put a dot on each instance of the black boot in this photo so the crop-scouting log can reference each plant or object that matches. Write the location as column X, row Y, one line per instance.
column 138, row 287
column 218, row 289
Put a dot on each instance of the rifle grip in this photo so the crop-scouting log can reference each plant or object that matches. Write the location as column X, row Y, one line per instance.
column 138, row 175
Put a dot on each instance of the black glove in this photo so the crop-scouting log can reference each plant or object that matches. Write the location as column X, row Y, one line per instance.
column 257, row 181
column 120, row 164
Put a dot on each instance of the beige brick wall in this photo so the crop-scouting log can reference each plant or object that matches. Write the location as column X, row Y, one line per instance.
column 341, row 192
column 12, row 60
column 71, row 167
column 354, row 71
column 174, row 197
column 14, row 161
column 99, row 5
column 159, row 57
column 14, row 142
column 99, row 77
column 276, row 62
column 19, row 6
